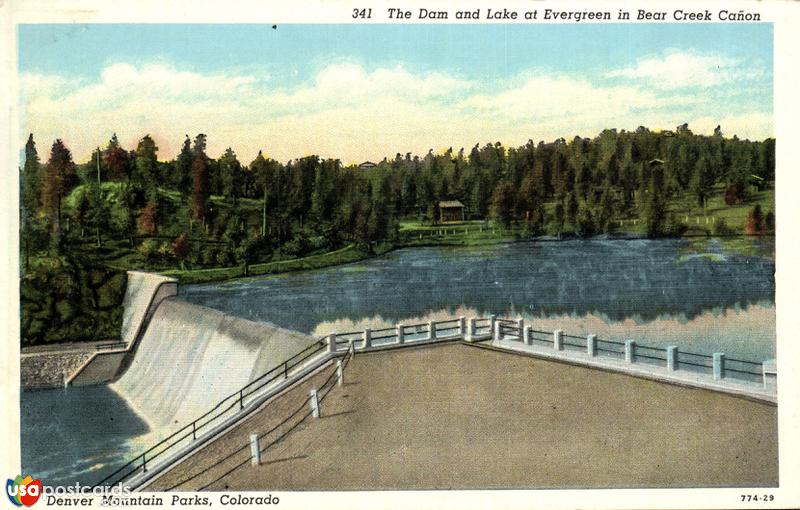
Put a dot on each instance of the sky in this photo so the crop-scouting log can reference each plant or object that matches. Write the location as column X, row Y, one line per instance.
column 362, row 92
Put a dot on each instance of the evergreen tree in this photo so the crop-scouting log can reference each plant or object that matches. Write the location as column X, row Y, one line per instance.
column 504, row 203
column 30, row 198
column 59, row 177
column 182, row 171
column 585, row 222
column 572, row 210
column 230, row 171
column 146, row 167
column 199, row 179
column 702, row 181
column 559, row 214
column 116, row 161
column 655, row 209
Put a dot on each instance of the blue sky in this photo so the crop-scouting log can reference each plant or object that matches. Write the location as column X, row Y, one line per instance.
column 365, row 91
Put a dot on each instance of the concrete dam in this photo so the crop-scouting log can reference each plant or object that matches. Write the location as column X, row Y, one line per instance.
column 181, row 358
column 191, row 357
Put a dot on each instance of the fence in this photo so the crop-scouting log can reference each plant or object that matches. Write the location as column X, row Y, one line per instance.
column 223, row 410
column 475, row 329
column 261, row 442
column 717, row 365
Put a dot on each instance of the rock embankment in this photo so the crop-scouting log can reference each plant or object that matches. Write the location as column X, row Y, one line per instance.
column 40, row 370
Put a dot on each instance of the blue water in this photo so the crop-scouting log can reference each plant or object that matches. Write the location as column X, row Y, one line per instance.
column 627, row 284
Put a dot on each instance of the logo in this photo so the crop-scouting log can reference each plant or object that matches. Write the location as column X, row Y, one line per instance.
column 24, row 491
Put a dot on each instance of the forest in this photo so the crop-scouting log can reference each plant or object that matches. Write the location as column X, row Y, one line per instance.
column 131, row 208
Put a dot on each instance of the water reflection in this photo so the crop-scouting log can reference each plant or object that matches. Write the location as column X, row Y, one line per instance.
column 622, row 283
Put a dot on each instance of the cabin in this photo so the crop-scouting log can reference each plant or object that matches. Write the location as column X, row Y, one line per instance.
column 451, row 211
column 366, row 165
column 756, row 183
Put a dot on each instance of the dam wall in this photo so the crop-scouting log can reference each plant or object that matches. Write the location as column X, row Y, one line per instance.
column 190, row 357
column 143, row 295
column 99, row 362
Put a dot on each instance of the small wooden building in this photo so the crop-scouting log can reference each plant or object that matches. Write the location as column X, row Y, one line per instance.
column 451, row 211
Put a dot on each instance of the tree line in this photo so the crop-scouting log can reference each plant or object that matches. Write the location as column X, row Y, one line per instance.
column 219, row 211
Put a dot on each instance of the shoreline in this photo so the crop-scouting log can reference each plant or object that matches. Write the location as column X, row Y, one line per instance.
column 350, row 254
column 318, row 261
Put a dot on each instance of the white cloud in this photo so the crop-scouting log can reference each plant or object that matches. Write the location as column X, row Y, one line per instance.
column 677, row 69
column 345, row 111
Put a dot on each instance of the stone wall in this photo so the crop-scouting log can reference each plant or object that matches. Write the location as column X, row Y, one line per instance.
column 47, row 369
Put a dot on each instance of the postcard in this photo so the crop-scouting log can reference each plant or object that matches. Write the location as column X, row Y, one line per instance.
column 381, row 255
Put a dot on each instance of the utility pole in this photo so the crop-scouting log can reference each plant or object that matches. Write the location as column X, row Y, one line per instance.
column 264, row 213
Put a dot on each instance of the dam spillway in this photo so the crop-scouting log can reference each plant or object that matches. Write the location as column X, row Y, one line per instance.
column 190, row 357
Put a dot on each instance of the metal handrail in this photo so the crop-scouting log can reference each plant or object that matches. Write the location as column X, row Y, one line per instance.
column 234, row 398
column 281, row 371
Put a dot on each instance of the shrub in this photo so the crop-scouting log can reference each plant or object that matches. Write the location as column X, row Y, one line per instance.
column 149, row 249
column 735, row 193
column 721, row 228
column 754, row 224
column 70, row 302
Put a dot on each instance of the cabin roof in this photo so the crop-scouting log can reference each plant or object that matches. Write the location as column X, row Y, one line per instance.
column 446, row 204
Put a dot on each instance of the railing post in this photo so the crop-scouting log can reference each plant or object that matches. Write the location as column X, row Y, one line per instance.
column 314, row 401
column 462, row 327
column 591, row 345
column 285, row 369
column 672, row 357
column 194, row 430
column 432, row 330
column 332, row 343
column 527, row 335
column 367, row 338
column 521, row 328
column 558, row 340
column 769, row 374
column 241, row 400
column 471, row 329
column 144, row 463
column 401, row 334
column 719, row 366
column 255, row 450
column 492, row 323
column 339, row 373
column 630, row 347
column 497, row 332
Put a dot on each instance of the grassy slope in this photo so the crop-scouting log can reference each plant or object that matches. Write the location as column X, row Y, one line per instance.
column 468, row 233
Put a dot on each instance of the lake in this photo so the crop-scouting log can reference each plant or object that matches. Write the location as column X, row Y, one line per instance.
column 650, row 291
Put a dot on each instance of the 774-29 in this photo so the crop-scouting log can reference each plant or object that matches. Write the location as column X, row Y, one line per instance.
column 756, row 497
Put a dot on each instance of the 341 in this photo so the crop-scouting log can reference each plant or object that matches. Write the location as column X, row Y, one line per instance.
column 362, row 13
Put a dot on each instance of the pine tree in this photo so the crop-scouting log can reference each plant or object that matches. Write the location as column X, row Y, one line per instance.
column 146, row 167
column 199, row 178
column 231, row 176
column 182, row 175
column 116, row 160
column 59, row 178
column 30, row 197
column 572, row 210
